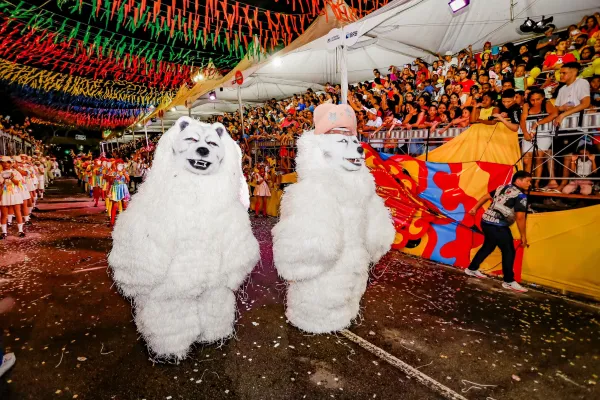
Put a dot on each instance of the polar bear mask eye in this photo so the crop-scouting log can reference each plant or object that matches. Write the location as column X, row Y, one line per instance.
column 198, row 147
column 342, row 152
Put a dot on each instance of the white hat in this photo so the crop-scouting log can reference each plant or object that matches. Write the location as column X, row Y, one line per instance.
column 372, row 111
column 449, row 53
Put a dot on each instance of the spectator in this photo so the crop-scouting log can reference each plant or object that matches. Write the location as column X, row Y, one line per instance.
column 465, row 83
column 559, row 57
column 483, row 111
column 586, row 55
column 548, row 42
column 537, row 105
column 510, row 112
column 572, row 98
column 590, row 24
column 454, row 101
column 289, row 121
column 520, row 98
column 448, row 61
column 520, row 79
column 595, row 91
column 460, row 122
column 373, row 122
column 486, row 60
column 583, row 164
column 474, row 97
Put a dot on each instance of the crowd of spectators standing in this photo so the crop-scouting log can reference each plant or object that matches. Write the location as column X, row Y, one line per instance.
column 499, row 84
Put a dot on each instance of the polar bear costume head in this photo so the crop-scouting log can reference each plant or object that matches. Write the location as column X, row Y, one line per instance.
column 199, row 148
column 193, row 160
column 332, row 152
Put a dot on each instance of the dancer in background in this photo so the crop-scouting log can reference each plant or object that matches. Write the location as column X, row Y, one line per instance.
column 97, row 181
column 119, row 192
column 27, row 187
column 261, row 191
column 40, row 171
column 11, row 200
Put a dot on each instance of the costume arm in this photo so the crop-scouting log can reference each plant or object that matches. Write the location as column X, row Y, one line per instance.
column 240, row 250
column 307, row 241
column 380, row 229
column 140, row 256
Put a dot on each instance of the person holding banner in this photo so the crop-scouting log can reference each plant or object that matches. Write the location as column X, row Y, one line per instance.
column 509, row 204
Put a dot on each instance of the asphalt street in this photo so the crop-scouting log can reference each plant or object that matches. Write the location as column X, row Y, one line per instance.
column 74, row 336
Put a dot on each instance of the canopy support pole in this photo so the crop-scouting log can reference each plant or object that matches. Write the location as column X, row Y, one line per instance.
column 239, row 93
column 146, row 133
column 344, row 74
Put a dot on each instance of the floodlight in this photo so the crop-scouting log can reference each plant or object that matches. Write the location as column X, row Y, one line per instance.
column 527, row 26
column 543, row 24
column 277, row 61
column 212, row 95
column 457, row 5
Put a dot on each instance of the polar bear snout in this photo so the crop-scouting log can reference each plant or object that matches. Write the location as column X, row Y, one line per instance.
column 202, row 151
column 360, row 150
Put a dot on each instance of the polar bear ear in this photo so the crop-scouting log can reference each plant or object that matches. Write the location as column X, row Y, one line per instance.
column 183, row 122
column 220, row 128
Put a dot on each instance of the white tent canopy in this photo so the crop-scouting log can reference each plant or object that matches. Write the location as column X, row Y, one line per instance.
column 406, row 29
column 393, row 35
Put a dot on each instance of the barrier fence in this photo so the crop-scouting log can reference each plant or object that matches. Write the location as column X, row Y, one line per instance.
column 581, row 128
column 13, row 145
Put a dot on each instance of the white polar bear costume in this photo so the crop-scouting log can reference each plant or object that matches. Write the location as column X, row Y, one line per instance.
column 185, row 244
column 333, row 225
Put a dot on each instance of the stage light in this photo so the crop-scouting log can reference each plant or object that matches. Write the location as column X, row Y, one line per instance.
column 198, row 77
column 212, row 95
column 173, row 109
column 457, row 5
column 139, row 125
column 542, row 26
column 527, row 26
column 277, row 62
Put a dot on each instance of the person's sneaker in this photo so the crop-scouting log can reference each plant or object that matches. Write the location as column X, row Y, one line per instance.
column 7, row 362
column 475, row 274
column 21, row 234
column 3, row 236
column 514, row 286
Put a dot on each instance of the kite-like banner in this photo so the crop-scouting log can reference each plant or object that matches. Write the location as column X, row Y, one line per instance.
column 429, row 203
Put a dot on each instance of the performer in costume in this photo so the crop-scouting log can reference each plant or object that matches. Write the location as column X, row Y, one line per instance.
column 109, row 176
column 97, row 181
column 333, row 225
column 11, row 200
column 119, row 192
column 27, row 186
column 181, row 267
column 261, row 191
column 40, row 170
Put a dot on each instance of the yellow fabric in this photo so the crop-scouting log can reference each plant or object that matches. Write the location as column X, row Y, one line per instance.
column 563, row 251
column 485, row 113
column 272, row 203
column 491, row 143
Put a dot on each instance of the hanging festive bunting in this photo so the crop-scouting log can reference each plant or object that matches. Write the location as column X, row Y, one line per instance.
column 87, row 121
column 46, row 80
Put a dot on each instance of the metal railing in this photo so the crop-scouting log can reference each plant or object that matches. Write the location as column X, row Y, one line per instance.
column 12, row 145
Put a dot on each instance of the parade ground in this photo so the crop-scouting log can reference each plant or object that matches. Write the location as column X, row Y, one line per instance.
column 426, row 331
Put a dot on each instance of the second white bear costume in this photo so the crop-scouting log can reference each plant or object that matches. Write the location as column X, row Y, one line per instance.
column 333, row 225
column 185, row 243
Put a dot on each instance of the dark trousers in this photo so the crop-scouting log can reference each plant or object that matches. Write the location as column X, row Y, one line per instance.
column 496, row 236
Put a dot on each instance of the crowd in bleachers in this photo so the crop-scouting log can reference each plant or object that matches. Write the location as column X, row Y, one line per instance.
column 500, row 84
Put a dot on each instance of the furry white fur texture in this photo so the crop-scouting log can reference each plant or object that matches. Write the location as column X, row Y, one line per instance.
column 185, row 244
column 333, row 225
